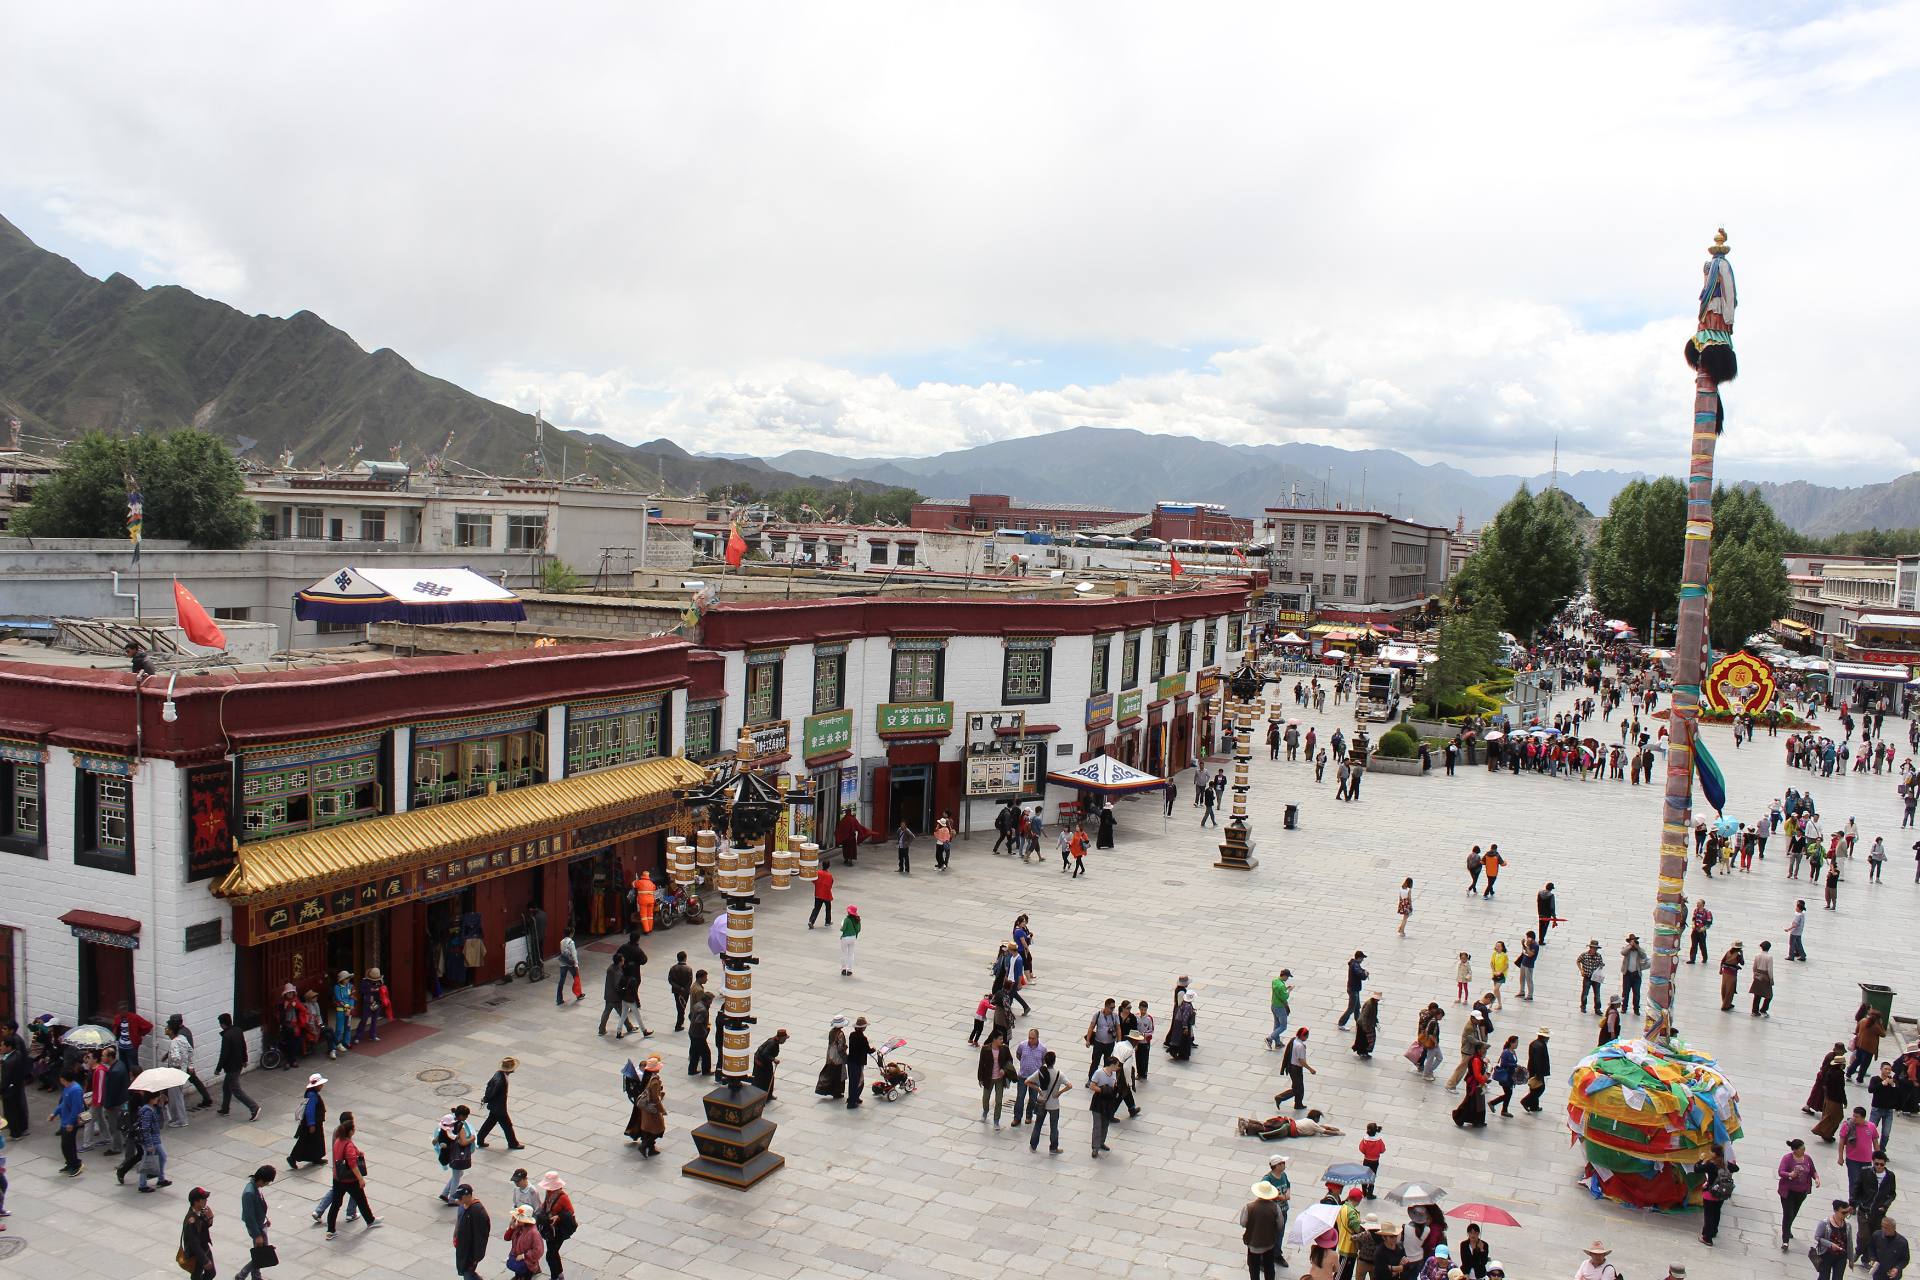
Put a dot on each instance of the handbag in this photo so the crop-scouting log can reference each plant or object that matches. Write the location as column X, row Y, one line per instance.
column 1414, row 1053
column 578, row 990
column 264, row 1256
column 180, row 1258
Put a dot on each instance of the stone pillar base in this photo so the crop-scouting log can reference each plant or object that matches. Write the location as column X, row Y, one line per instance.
column 734, row 1142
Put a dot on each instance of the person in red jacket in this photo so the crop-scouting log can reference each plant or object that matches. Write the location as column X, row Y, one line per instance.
column 822, row 896
column 848, row 836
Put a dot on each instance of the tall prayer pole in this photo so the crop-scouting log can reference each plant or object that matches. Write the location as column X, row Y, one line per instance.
column 1710, row 353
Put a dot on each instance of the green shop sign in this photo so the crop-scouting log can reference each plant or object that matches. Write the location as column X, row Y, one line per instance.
column 1170, row 685
column 915, row 717
column 823, row 735
column 1128, row 707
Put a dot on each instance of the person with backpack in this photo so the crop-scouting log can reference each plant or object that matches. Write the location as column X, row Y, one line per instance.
column 1832, row 1243
column 1473, row 869
column 453, row 1143
column 1004, row 826
column 1715, row 1191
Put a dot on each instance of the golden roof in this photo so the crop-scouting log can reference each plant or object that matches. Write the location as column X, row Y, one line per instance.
column 289, row 864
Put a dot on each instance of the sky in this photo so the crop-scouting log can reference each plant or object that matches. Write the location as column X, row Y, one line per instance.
column 1459, row 231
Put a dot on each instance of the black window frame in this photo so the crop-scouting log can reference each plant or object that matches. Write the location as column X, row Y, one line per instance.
column 838, row 662
column 1236, row 633
column 1209, row 642
column 1012, row 652
column 1186, row 648
column 378, row 518
column 86, row 812
column 904, row 555
column 877, row 553
column 1099, row 672
column 776, row 695
column 939, row 673
column 10, row 839
column 1130, row 661
column 1158, row 661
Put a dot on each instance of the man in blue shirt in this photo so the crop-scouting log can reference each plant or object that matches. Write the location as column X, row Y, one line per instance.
column 1030, row 1054
column 73, row 1101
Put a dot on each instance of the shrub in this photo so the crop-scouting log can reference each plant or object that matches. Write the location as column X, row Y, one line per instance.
column 1398, row 743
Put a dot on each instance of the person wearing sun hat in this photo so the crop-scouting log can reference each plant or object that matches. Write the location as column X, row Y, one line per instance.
column 1539, row 1070
column 555, row 1218
column 1596, row 1266
column 343, row 1002
column 310, row 1133
column 1260, row 1227
column 1277, row 1175
column 525, row 1245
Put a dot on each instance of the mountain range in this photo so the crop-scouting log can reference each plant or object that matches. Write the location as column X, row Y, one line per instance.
column 79, row 354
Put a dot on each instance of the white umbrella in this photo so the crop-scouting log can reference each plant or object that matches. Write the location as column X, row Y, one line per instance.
column 158, row 1080
column 1307, row 1225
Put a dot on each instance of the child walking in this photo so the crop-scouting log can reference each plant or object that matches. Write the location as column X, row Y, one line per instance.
column 1372, row 1147
column 980, row 1017
column 1462, row 976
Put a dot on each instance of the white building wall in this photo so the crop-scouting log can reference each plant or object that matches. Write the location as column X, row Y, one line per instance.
column 35, row 893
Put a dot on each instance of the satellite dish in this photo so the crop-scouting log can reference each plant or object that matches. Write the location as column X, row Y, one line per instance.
column 1082, row 588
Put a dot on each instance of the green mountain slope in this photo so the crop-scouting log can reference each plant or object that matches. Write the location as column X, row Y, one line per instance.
column 79, row 354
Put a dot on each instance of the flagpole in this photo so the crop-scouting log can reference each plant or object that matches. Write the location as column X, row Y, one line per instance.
column 1710, row 352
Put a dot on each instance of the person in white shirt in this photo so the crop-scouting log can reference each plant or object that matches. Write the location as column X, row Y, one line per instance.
column 178, row 1055
column 1596, row 1266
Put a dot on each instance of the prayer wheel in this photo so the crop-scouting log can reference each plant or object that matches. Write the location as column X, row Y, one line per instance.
column 782, row 868
column 809, row 861
column 738, row 996
column 736, row 1057
column 706, row 848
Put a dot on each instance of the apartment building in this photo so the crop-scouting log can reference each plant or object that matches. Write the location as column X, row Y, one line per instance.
column 1351, row 565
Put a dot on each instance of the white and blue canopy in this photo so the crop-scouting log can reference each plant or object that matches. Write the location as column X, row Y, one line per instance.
column 361, row 595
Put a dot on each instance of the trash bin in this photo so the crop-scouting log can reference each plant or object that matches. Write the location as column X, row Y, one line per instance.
column 1878, row 998
column 1292, row 820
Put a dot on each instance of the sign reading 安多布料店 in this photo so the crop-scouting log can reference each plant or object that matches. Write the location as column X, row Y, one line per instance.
column 995, row 775
column 915, row 717
column 1099, row 710
column 1128, row 705
column 825, row 734
column 1170, row 685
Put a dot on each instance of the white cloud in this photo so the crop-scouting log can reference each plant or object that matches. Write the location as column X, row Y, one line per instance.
column 1401, row 218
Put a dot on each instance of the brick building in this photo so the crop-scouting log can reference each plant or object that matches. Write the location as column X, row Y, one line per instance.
column 986, row 512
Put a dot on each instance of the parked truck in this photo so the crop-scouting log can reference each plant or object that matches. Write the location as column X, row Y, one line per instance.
column 1379, row 694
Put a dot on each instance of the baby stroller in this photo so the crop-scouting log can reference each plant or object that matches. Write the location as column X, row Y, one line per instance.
column 896, row 1078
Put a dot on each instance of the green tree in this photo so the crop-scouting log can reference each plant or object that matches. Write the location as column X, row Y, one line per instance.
column 1468, row 652
column 1749, row 585
column 1636, row 558
column 560, row 579
column 1742, row 515
column 190, row 484
column 1528, row 564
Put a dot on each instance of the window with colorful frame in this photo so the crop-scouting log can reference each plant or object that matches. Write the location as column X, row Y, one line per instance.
column 763, row 685
column 919, row 671
column 1186, row 649
column 1209, row 635
column 23, row 826
column 306, row 785
column 1130, row 661
column 703, row 730
column 829, row 677
column 1102, row 653
column 1159, row 655
column 615, row 731
column 1026, row 675
column 103, row 814
column 457, row 759
column 1234, row 625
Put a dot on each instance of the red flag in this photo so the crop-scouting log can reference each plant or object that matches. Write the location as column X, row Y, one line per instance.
column 736, row 546
column 1173, row 563
column 1240, row 555
column 200, row 628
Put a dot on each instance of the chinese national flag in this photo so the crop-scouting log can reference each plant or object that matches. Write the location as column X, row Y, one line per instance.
column 736, row 546
column 200, row 628
column 1173, row 564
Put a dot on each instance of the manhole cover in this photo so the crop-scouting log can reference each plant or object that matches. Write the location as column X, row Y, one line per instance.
column 434, row 1075
column 455, row 1090
column 11, row 1246
column 1174, row 884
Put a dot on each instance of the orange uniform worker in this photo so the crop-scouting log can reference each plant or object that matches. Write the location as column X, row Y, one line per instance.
column 643, row 895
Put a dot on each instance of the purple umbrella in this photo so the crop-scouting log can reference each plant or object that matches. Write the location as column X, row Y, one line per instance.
column 717, row 935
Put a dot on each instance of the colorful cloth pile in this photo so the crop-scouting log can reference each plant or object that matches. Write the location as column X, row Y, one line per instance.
column 1647, row 1114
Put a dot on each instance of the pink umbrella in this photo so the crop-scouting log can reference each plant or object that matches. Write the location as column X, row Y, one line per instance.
column 1482, row 1213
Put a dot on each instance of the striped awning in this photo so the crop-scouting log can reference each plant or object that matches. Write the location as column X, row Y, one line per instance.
column 373, row 846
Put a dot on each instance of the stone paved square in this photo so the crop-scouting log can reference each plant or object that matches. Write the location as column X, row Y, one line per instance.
column 922, row 1188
